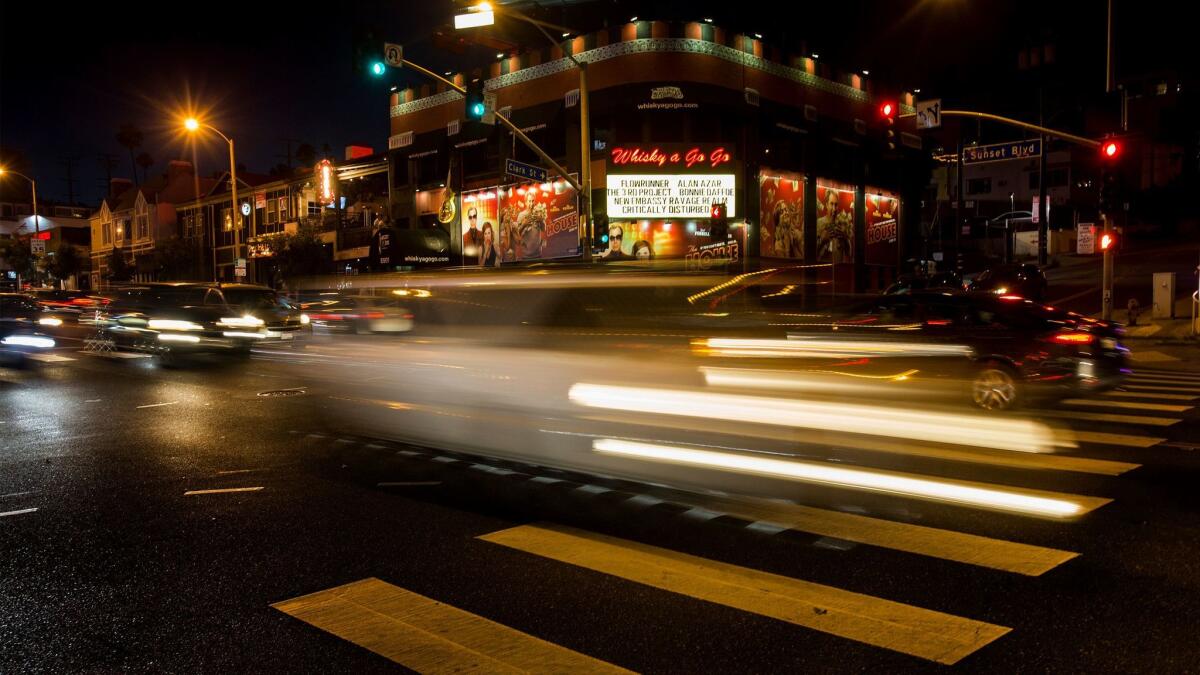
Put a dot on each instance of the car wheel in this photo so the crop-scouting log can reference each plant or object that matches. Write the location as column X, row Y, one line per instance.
column 994, row 387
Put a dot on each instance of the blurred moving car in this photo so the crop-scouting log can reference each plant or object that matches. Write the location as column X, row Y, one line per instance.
column 67, row 307
column 19, row 336
column 1021, row 350
column 359, row 314
column 184, row 317
column 1022, row 279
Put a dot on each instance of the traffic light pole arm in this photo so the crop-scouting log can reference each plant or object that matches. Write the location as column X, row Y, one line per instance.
column 506, row 122
column 1023, row 125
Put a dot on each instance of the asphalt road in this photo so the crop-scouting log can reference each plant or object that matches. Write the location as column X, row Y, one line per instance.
column 116, row 558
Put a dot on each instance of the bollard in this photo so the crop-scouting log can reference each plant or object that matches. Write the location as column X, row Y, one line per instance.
column 1134, row 310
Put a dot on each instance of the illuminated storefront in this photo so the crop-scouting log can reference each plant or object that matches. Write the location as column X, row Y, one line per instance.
column 683, row 116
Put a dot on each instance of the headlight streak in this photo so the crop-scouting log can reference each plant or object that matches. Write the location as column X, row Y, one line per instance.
column 173, row 324
column 50, row 321
column 28, row 341
column 245, row 321
column 854, row 478
column 175, row 337
column 810, row 347
column 949, row 428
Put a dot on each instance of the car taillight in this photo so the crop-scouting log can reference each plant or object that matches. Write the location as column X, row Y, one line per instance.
column 326, row 317
column 1072, row 338
column 408, row 316
column 373, row 315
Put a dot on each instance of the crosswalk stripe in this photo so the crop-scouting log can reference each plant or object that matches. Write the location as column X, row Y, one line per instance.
column 1159, row 379
column 1150, row 387
column 1109, row 417
column 50, row 358
column 428, row 636
column 1128, row 405
column 919, row 632
column 998, row 554
column 1167, row 374
column 1144, row 394
column 1117, row 439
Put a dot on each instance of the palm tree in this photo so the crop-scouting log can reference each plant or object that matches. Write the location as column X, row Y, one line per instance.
column 131, row 137
column 145, row 161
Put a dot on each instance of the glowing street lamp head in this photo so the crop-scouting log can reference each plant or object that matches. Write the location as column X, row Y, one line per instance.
column 191, row 124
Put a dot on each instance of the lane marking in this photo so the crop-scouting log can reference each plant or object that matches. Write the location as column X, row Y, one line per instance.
column 410, row 483
column 1147, row 387
column 93, row 400
column 428, row 636
column 998, row 554
column 970, row 494
column 931, row 635
column 1117, row 439
column 16, row 494
column 157, row 405
column 1151, row 395
column 1127, row 405
column 50, row 358
column 18, row 512
column 233, row 471
column 189, row 493
column 1110, row 417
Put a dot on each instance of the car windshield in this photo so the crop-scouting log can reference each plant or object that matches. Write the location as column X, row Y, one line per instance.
column 251, row 299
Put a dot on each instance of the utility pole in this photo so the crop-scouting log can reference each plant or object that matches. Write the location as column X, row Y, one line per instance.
column 68, row 163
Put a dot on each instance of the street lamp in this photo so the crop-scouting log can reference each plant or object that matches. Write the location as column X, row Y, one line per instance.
column 484, row 14
column 192, row 125
column 37, row 228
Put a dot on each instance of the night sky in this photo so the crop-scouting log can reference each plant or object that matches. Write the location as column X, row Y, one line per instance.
column 69, row 77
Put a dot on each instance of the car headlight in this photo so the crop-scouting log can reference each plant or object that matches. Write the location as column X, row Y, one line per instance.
column 173, row 324
column 304, row 320
column 245, row 321
column 49, row 321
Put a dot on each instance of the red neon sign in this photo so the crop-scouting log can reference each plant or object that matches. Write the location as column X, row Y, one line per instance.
column 661, row 158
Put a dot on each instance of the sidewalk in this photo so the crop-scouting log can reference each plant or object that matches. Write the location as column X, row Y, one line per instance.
column 1162, row 343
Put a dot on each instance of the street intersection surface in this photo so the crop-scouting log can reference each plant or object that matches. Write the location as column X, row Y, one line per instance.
column 220, row 519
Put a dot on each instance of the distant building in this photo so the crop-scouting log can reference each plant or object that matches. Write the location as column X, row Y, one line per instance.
column 56, row 225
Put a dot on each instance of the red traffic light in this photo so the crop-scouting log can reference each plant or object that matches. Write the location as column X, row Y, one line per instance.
column 1110, row 150
column 887, row 110
column 1107, row 240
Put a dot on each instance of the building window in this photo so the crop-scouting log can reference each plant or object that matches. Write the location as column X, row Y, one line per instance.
column 979, row 186
column 142, row 221
column 226, row 220
column 314, row 209
column 272, row 212
column 106, row 230
column 283, row 209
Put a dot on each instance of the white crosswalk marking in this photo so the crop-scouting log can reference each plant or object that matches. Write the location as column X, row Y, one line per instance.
column 1109, row 417
column 1128, row 405
column 1146, row 394
column 1149, row 387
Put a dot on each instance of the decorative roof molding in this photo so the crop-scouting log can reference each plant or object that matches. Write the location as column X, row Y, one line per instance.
column 642, row 46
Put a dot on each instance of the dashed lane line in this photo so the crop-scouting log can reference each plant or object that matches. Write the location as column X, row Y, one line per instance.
column 927, row 634
column 1115, row 418
column 1150, row 395
column 191, row 493
column 428, row 636
column 18, row 512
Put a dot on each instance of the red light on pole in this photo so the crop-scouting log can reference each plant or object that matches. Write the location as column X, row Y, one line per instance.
column 887, row 110
column 1110, row 149
column 1107, row 240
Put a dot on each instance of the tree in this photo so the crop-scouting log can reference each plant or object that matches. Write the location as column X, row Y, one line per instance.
column 299, row 254
column 119, row 269
column 145, row 161
column 131, row 137
column 19, row 257
column 174, row 260
column 306, row 154
column 65, row 262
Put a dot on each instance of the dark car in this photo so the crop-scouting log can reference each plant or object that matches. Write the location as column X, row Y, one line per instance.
column 907, row 283
column 174, row 318
column 1021, row 279
column 1019, row 349
column 61, row 307
column 19, row 336
column 359, row 314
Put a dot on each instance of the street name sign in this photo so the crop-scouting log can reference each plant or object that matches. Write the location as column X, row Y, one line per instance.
column 999, row 152
column 527, row 171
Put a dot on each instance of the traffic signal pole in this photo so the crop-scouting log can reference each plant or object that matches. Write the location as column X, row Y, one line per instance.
column 1106, row 286
column 558, row 169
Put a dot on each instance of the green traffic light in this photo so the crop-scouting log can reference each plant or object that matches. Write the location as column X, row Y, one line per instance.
column 378, row 68
column 477, row 110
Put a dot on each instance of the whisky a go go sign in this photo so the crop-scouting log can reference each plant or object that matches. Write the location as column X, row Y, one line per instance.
column 659, row 182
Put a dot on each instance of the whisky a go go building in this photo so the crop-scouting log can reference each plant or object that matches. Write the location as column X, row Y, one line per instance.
column 683, row 116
